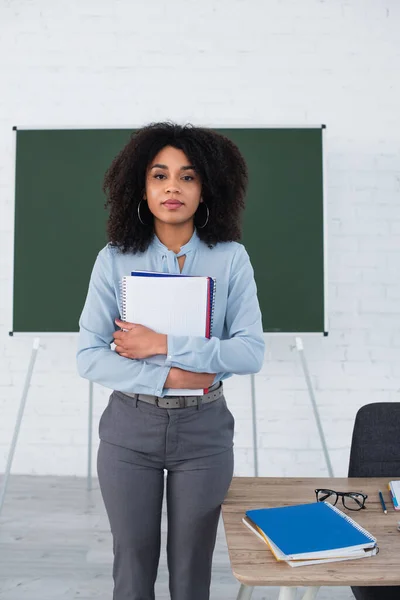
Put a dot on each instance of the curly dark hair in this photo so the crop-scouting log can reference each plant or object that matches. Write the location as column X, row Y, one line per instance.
column 218, row 162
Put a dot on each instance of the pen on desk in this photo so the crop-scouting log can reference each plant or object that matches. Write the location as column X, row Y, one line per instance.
column 382, row 502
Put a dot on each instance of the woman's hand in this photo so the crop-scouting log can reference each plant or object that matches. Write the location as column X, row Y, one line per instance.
column 138, row 342
column 180, row 379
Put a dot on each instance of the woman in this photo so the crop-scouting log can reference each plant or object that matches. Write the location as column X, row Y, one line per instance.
column 175, row 194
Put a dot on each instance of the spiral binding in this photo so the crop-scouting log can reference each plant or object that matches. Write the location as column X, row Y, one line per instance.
column 213, row 305
column 350, row 520
column 123, row 297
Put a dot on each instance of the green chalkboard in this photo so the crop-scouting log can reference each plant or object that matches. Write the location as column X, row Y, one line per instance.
column 60, row 223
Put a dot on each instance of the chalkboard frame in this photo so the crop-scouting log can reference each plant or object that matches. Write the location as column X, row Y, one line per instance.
column 225, row 126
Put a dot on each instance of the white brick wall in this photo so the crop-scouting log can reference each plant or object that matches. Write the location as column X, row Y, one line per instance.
column 234, row 63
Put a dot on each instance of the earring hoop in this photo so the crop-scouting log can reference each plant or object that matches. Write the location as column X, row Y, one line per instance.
column 139, row 217
column 208, row 216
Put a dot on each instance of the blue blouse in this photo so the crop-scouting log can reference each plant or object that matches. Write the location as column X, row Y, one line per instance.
column 237, row 344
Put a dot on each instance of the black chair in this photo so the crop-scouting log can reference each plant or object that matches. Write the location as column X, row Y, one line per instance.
column 375, row 452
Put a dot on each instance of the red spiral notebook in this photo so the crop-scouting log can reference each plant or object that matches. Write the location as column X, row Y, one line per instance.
column 169, row 304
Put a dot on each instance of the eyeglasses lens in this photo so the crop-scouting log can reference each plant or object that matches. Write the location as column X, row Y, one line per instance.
column 353, row 502
column 327, row 496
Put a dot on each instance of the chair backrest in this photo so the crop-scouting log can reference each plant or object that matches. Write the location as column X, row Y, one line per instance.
column 375, row 446
column 375, row 452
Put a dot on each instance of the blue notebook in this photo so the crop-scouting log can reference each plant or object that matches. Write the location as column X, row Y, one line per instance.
column 315, row 530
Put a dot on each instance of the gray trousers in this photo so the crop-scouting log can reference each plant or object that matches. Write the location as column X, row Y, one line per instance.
column 195, row 446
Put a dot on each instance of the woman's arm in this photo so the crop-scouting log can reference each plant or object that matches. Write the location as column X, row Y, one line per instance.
column 243, row 352
column 179, row 379
column 95, row 359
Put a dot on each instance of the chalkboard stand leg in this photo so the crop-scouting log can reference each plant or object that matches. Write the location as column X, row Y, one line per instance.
column 36, row 344
column 300, row 348
column 254, row 418
column 90, row 420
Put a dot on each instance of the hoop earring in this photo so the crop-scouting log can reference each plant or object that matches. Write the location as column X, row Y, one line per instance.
column 208, row 216
column 139, row 217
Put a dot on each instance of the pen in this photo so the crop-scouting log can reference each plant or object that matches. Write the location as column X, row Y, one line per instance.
column 382, row 502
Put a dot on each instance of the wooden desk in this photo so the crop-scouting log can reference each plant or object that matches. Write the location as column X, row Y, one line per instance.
column 254, row 565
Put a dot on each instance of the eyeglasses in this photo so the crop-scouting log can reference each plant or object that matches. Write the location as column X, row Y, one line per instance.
column 350, row 500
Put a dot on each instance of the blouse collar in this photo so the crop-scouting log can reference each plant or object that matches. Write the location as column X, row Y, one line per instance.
column 191, row 244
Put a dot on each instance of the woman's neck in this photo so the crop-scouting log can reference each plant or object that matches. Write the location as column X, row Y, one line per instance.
column 174, row 236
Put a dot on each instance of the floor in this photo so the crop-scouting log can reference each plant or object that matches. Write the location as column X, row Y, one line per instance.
column 55, row 544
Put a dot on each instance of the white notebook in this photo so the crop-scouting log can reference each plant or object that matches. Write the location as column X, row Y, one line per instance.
column 175, row 305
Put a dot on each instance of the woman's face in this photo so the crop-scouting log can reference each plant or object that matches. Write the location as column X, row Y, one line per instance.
column 173, row 188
